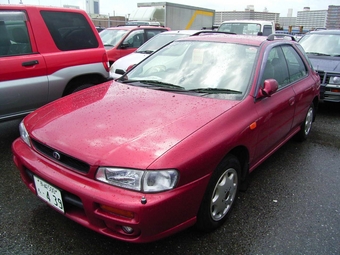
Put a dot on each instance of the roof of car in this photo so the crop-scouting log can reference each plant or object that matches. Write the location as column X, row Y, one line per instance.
column 39, row 7
column 248, row 21
column 232, row 38
column 134, row 27
column 185, row 32
column 326, row 32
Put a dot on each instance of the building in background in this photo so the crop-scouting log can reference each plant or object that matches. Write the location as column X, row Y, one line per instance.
column 286, row 22
column 248, row 13
column 333, row 17
column 311, row 20
column 105, row 21
column 92, row 6
column 71, row 6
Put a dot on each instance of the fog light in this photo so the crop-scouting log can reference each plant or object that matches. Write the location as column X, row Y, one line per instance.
column 127, row 229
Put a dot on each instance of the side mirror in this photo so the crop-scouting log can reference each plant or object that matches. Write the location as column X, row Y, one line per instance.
column 270, row 86
column 124, row 45
column 120, row 71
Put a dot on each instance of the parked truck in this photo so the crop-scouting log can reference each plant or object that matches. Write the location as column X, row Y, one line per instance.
column 174, row 16
column 248, row 27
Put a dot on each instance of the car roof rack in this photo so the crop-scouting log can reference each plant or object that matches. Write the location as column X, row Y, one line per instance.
column 213, row 32
column 271, row 37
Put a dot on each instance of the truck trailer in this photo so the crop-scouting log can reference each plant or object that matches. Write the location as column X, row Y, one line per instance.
column 174, row 16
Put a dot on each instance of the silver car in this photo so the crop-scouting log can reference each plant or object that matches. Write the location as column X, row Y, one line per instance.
column 121, row 65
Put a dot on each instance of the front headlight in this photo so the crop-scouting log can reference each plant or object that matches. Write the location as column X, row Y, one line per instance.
column 24, row 134
column 146, row 181
column 334, row 80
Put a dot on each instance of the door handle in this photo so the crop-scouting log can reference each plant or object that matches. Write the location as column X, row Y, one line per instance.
column 30, row 63
column 291, row 101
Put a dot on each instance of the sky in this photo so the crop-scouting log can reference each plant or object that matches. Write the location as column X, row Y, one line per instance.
column 123, row 8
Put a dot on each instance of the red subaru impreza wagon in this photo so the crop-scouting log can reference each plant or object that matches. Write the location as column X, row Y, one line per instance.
column 169, row 144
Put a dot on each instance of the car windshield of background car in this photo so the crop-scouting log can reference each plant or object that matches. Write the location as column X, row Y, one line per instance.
column 221, row 68
column 321, row 44
column 111, row 37
column 241, row 28
column 159, row 41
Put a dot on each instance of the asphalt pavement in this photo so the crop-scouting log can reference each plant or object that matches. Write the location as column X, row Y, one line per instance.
column 292, row 206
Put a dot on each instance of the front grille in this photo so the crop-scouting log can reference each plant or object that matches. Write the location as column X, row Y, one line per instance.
column 65, row 160
column 324, row 77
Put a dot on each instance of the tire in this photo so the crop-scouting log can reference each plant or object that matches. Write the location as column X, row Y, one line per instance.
column 306, row 126
column 80, row 84
column 81, row 87
column 220, row 195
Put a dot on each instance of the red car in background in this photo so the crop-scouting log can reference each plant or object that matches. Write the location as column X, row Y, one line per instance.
column 123, row 40
column 169, row 144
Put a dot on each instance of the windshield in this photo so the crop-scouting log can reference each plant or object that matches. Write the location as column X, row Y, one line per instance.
column 198, row 66
column 322, row 44
column 111, row 37
column 158, row 41
column 241, row 28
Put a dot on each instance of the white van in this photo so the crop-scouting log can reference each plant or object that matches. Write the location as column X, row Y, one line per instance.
column 248, row 27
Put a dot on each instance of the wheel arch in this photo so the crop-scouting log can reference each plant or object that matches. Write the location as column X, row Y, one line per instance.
column 242, row 154
column 93, row 78
column 316, row 106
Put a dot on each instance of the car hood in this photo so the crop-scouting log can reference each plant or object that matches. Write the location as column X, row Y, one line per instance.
column 124, row 62
column 121, row 125
column 325, row 64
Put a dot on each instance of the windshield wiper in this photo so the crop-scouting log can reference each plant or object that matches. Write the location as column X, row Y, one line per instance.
column 161, row 84
column 153, row 84
column 318, row 53
column 145, row 51
column 215, row 91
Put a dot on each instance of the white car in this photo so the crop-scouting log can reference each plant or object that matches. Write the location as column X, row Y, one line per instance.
column 121, row 65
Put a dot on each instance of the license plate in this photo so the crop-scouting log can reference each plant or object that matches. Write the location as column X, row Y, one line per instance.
column 49, row 194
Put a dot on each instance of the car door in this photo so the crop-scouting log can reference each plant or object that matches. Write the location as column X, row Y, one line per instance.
column 276, row 113
column 23, row 79
column 132, row 41
column 302, row 84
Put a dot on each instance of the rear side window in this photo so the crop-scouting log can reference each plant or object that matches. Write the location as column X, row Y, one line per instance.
column 14, row 38
column 70, row 31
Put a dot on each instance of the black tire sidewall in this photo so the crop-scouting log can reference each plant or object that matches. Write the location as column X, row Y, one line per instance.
column 301, row 135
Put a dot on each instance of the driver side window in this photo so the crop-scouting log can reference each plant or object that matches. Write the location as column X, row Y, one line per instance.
column 134, row 39
column 14, row 38
column 276, row 67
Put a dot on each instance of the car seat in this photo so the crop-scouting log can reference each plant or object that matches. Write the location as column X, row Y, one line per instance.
column 137, row 41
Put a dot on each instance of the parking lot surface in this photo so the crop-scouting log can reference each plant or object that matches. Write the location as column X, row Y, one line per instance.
column 290, row 207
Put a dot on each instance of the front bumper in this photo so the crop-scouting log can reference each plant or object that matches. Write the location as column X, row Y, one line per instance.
column 162, row 215
column 329, row 92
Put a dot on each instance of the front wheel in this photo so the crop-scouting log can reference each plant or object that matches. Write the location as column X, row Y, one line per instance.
column 306, row 126
column 220, row 195
column 80, row 84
